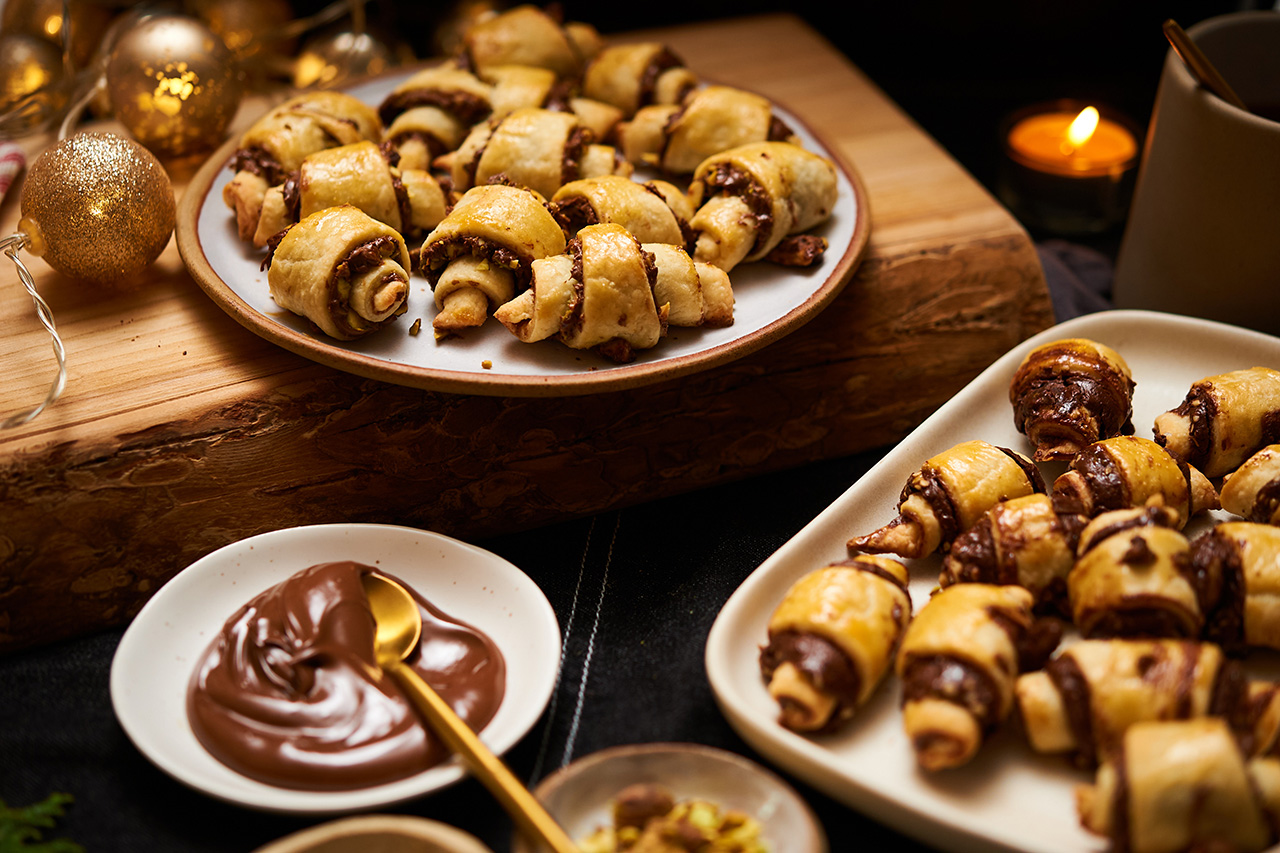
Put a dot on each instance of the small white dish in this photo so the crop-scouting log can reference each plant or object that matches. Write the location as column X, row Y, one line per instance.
column 1008, row 798
column 381, row 833
column 161, row 647
column 581, row 795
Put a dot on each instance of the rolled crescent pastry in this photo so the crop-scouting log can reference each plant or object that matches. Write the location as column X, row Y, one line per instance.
column 1252, row 491
column 755, row 201
column 528, row 35
column 1130, row 471
column 482, row 252
column 533, row 147
column 959, row 659
column 614, row 295
column 274, row 146
column 1090, row 693
column 947, row 496
column 655, row 211
column 1022, row 541
column 431, row 111
column 1070, row 393
column 676, row 138
column 1182, row 785
column 360, row 174
column 1223, row 420
column 1243, row 558
column 342, row 269
column 632, row 76
column 1134, row 578
column 832, row 639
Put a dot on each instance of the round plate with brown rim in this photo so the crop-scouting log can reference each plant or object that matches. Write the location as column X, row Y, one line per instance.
column 770, row 302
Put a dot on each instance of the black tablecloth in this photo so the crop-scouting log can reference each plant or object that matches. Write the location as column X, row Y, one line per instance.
column 635, row 591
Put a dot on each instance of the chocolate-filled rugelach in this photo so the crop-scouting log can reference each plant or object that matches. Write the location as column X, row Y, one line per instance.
column 534, row 147
column 1022, row 541
column 274, row 146
column 1182, row 785
column 1243, row 559
column 1134, row 578
column 1069, row 393
column 342, row 269
column 529, row 35
column 1130, row 471
column 676, row 138
column 832, row 638
column 431, row 111
column 756, row 201
column 959, row 659
column 363, row 175
column 633, row 76
column 610, row 293
column 947, row 496
column 1223, row 420
column 482, row 252
column 655, row 211
column 1252, row 491
column 1088, row 695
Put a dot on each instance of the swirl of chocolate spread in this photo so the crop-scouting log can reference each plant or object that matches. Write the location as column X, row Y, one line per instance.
column 290, row 693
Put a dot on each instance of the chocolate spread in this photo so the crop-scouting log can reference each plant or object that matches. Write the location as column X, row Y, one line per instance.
column 468, row 108
column 289, row 692
column 826, row 665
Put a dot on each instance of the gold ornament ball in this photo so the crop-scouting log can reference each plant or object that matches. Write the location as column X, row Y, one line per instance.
column 174, row 85
column 29, row 65
column 97, row 207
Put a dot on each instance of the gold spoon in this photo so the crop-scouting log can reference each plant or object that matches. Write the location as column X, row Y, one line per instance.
column 398, row 628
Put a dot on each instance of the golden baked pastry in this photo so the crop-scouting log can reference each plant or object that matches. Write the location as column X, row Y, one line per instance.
column 362, row 175
column 677, row 137
column 482, row 252
column 1182, row 785
column 632, row 76
column 947, row 496
column 1252, row 491
column 430, row 112
column 832, row 638
column 1242, row 559
column 1223, row 420
column 342, row 269
column 654, row 211
column 1130, row 471
column 530, row 35
column 1069, row 393
column 756, row 201
column 958, row 662
column 1022, row 541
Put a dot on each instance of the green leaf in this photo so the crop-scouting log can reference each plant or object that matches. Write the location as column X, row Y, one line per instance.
column 20, row 827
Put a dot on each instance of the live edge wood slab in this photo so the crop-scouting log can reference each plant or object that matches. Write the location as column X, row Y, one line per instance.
column 180, row 431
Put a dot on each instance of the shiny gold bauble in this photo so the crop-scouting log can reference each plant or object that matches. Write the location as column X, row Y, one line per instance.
column 331, row 58
column 173, row 84
column 81, row 22
column 97, row 207
column 253, row 30
column 27, row 65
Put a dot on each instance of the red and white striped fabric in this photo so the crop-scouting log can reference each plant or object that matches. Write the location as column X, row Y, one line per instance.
column 12, row 162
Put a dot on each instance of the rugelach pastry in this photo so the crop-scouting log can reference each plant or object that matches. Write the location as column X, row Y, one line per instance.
column 958, row 662
column 342, row 269
column 1130, row 471
column 755, row 202
column 633, row 76
column 1242, row 560
column 482, row 252
column 1252, row 491
column 655, row 211
column 431, row 112
column 1070, row 393
column 947, row 496
column 832, row 638
column 1183, row 785
column 1223, row 420
column 529, row 35
column 1022, row 541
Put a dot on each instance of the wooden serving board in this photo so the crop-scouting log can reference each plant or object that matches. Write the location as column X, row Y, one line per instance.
column 180, row 431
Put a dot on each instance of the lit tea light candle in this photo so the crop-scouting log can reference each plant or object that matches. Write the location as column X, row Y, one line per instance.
column 1069, row 167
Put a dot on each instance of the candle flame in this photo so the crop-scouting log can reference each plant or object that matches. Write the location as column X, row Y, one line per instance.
column 1083, row 127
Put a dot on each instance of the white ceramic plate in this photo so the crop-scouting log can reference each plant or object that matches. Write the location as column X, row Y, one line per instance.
column 581, row 795
column 771, row 301
column 162, row 645
column 1008, row 797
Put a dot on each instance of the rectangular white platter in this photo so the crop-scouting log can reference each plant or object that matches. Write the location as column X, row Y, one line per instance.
column 1008, row 798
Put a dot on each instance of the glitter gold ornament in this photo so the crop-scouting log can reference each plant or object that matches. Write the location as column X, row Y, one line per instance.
column 97, row 207
column 173, row 83
column 31, row 77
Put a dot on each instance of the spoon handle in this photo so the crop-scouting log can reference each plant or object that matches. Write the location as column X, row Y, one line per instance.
column 524, row 808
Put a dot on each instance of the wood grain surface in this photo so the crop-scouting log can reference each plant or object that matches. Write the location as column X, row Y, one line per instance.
column 180, row 431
